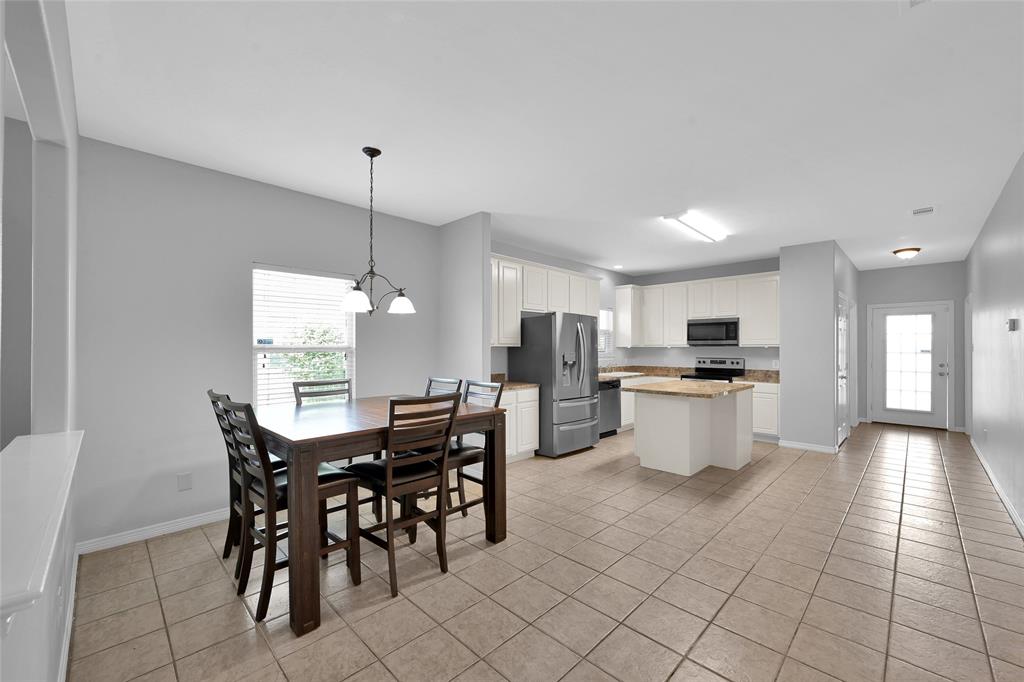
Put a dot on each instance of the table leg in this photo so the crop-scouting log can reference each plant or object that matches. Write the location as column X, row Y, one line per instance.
column 494, row 481
column 303, row 542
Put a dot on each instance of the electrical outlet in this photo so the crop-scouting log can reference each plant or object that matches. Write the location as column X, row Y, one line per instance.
column 185, row 481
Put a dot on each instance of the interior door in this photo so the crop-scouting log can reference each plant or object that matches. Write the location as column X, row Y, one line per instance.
column 910, row 364
column 842, row 370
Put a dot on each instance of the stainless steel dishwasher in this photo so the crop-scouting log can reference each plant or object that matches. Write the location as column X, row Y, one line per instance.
column 610, row 407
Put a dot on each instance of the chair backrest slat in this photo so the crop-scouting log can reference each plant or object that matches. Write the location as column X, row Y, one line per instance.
column 486, row 393
column 217, row 400
column 326, row 388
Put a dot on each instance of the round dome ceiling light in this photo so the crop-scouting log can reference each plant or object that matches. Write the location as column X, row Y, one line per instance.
column 907, row 253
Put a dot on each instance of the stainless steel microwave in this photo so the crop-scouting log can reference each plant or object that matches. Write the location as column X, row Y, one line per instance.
column 720, row 331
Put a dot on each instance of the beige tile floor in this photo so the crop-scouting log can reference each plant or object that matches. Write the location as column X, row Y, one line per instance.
column 894, row 560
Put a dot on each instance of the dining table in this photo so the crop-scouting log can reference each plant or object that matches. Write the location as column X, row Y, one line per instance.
column 304, row 436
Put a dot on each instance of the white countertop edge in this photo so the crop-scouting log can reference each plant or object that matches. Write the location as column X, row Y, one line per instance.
column 30, row 589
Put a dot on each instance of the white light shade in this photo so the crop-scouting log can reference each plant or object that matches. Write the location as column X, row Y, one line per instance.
column 906, row 253
column 356, row 301
column 699, row 226
column 401, row 305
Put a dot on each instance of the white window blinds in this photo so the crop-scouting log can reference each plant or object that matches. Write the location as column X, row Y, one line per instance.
column 300, row 332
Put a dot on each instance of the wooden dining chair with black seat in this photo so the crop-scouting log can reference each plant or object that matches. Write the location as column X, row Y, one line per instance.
column 265, row 489
column 415, row 461
column 461, row 455
column 324, row 388
column 234, row 532
column 439, row 385
column 333, row 388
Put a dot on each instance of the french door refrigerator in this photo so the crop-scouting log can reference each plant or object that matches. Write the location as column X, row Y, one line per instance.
column 558, row 351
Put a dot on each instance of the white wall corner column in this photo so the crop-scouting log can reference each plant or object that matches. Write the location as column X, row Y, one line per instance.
column 465, row 291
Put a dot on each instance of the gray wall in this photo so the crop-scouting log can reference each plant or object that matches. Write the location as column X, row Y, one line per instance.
column 165, row 253
column 465, row 288
column 807, row 344
column 913, row 284
column 995, row 282
column 16, row 334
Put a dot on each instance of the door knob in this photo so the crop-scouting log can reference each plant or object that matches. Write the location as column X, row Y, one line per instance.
column 943, row 374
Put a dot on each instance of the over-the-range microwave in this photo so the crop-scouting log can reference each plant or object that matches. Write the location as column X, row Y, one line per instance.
column 720, row 331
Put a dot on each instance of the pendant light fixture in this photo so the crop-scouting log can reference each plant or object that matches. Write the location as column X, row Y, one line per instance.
column 360, row 299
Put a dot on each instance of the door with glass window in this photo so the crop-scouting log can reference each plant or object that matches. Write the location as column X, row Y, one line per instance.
column 910, row 364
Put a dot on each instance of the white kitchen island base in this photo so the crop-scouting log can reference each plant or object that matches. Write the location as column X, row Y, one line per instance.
column 682, row 435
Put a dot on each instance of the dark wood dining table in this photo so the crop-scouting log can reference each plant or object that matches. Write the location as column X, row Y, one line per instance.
column 324, row 432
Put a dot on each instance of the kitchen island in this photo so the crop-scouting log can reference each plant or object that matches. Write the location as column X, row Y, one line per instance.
column 683, row 426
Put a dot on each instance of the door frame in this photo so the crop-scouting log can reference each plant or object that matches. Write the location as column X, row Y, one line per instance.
column 842, row 300
column 951, row 369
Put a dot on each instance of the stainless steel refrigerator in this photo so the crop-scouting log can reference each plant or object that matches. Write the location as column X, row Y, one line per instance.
column 559, row 352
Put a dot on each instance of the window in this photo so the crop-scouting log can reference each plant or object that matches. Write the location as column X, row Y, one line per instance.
column 605, row 335
column 299, row 332
column 908, row 362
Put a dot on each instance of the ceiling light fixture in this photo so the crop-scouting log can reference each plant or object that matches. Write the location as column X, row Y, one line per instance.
column 617, row 267
column 699, row 226
column 907, row 253
column 361, row 301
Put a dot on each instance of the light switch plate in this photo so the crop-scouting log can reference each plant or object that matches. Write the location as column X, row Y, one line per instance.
column 185, row 481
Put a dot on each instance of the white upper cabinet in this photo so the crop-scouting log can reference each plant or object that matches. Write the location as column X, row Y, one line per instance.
column 653, row 315
column 558, row 292
column 724, row 298
column 759, row 311
column 509, row 279
column 577, row 294
column 699, row 299
column 593, row 297
column 675, row 314
column 657, row 315
column 535, row 288
column 627, row 317
column 495, row 312
column 518, row 286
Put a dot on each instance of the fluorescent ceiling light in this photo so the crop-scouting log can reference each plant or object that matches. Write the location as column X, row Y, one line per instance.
column 699, row 226
column 617, row 267
column 907, row 253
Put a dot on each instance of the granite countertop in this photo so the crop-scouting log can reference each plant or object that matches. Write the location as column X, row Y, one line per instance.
column 606, row 376
column 761, row 376
column 690, row 389
column 519, row 385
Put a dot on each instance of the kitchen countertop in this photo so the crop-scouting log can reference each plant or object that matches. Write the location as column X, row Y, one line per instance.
column 607, row 376
column 519, row 385
column 690, row 389
column 761, row 376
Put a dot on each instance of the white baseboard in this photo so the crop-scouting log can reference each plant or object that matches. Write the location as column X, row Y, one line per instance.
column 147, row 532
column 1014, row 515
column 69, row 616
column 813, row 447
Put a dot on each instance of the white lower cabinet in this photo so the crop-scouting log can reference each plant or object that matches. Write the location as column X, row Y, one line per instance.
column 765, row 416
column 522, row 421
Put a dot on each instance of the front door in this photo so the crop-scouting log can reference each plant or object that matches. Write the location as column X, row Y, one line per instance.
column 842, row 370
column 910, row 364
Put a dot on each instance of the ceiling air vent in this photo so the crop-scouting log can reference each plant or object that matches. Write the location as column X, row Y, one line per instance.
column 924, row 210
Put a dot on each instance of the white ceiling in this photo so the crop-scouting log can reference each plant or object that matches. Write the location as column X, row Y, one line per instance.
column 577, row 125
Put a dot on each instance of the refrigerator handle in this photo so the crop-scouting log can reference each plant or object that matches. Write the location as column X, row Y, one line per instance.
column 581, row 337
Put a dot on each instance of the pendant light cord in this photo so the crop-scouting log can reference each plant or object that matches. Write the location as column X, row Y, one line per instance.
column 371, row 263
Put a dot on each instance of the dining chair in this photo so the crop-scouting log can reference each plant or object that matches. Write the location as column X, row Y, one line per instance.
column 460, row 456
column 234, row 532
column 326, row 388
column 438, row 385
column 415, row 461
column 267, row 490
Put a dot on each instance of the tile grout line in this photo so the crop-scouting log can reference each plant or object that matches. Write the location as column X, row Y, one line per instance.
column 863, row 473
column 967, row 565
column 896, row 558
